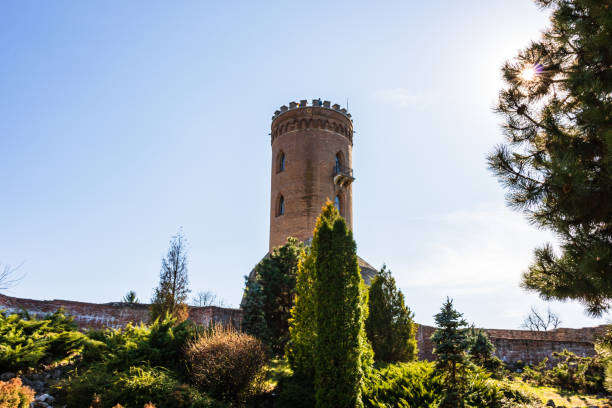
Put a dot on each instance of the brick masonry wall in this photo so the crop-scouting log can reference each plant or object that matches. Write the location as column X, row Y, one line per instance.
column 510, row 345
column 528, row 346
column 113, row 315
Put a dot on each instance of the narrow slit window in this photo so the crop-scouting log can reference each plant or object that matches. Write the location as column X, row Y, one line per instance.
column 281, row 206
column 337, row 203
column 281, row 162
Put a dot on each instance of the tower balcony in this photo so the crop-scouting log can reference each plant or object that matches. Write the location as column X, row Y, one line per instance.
column 343, row 176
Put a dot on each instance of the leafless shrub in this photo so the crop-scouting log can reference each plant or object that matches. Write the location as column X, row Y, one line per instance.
column 536, row 321
column 227, row 363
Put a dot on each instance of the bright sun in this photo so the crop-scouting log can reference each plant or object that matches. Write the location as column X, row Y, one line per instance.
column 528, row 73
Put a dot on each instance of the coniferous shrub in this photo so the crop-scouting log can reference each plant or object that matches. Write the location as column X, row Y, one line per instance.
column 390, row 325
column 269, row 296
column 28, row 342
column 451, row 342
column 226, row 363
column 132, row 388
column 13, row 394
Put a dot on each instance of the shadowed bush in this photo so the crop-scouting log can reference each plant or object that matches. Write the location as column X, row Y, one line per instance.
column 226, row 363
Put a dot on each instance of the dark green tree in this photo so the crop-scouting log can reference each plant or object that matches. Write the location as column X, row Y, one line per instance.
column 451, row 342
column 275, row 278
column 481, row 348
column 557, row 160
column 170, row 295
column 130, row 297
column 253, row 317
column 390, row 325
column 339, row 313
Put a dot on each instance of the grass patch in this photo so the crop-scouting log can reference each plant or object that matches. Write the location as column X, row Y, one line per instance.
column 559, row 397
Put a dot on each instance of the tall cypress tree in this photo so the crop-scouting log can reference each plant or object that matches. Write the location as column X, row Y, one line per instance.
column 390, row 325
column 339, row 313
column 328, row 344
column 557, row 160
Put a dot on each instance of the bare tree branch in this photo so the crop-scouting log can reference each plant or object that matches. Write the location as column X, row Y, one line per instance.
column 9, row 276
column 535, row 321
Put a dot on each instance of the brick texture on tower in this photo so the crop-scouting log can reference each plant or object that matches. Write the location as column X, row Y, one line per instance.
column 311, row 163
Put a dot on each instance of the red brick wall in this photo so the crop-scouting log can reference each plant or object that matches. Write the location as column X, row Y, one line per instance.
column 114, row 315
column 310, row 137
column 511, row 345
column 528, row 346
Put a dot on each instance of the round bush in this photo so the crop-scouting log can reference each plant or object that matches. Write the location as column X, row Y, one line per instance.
column 226, row 363
column 15, row 395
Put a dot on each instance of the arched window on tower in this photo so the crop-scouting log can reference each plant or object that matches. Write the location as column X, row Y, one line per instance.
column 281, row 162
column 337, row 203
column 280, row 207
column 339, row 165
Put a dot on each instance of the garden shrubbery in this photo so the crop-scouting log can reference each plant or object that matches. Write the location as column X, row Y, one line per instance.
column 418, row 384
column 568, row 372
column 226, row 363
column 15, row 395
column 30, row 343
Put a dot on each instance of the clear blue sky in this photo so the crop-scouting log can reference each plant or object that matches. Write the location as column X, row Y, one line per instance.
column 122, row 121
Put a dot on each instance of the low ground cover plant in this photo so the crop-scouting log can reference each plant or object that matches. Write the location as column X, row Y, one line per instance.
column 28, row 342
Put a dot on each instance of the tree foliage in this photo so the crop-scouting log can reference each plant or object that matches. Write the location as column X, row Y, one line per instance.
column 557, row 160
column 328, row 340
column 268, row 298
column 170, row 295
column 451, row 342
column 390, row 325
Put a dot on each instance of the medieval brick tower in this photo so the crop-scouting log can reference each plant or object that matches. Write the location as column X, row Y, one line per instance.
column 311, row 163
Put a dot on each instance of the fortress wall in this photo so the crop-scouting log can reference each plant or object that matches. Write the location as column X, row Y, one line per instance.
column 112, row 315
column 528, row 346
column 510, row 345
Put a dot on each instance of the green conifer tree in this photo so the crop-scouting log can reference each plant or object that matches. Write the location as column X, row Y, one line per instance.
column 390, row 326
column 300, row 349
column 339, row 313
column 274, row 287
column 328, row 339
column 557, row 160
column 451, row 342
column 253, row 316
column 170, row 295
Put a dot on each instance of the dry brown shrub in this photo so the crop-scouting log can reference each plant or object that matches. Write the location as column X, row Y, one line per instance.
column 226, row 363
column 13, row 394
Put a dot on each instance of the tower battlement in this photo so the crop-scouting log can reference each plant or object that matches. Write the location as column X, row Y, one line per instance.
column 315, row 103
column 301, row 116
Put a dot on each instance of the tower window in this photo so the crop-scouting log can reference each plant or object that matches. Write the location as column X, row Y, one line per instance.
column 280, row 208
column 339, row 163
column 337, row 203
column 281, row 162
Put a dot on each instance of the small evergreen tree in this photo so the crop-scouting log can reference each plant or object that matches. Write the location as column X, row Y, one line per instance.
column 130, row 297
column 451, row 342
column 481, row 349
column 170, row 295
column 390, row 325
column 275, row 277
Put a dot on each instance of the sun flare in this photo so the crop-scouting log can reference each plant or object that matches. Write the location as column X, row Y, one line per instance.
column 528, row 73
